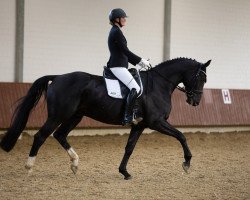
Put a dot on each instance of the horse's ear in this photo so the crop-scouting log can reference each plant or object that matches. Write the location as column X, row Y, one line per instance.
column 207, row 63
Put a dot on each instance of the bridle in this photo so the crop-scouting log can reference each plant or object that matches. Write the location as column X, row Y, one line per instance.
column 190, row 93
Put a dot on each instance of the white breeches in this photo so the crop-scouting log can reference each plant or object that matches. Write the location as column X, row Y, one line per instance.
column 125, row 77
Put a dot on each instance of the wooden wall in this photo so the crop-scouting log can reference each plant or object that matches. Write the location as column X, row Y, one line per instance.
column 211, row 112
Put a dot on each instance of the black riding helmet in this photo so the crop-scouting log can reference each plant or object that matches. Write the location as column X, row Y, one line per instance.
column 116, row 13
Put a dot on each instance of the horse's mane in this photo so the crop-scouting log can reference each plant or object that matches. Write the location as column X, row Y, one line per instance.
column 174, row 60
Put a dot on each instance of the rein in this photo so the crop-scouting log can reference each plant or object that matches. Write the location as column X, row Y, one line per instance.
column 182, row 89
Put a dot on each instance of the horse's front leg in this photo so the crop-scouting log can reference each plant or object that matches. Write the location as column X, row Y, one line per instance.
column 135, row 133
column 164, row 127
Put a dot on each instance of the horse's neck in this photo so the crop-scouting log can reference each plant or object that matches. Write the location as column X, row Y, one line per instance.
column 171, row 73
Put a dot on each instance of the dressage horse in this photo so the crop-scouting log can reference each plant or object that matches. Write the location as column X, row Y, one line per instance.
column 72, row 96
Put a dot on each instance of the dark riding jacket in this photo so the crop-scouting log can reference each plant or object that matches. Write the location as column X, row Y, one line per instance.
column 120, row 55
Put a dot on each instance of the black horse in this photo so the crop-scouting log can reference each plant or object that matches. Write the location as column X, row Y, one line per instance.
column 72, row 96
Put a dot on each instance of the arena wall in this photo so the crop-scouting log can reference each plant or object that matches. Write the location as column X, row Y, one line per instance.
column 212, row 110
column 217, row 30
column 72, row 36
column 7, row 40
column 65, row 36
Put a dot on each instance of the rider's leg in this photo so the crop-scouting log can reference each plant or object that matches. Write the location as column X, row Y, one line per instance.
column 136, row 111
column 129, row 107
column 124, row 76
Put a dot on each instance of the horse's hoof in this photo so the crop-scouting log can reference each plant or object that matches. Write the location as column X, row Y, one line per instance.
column 28, row 167
column 128, row 177
column 74, row 169
column 185, row 166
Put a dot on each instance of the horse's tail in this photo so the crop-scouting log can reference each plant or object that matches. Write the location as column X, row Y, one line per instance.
column 21, row 114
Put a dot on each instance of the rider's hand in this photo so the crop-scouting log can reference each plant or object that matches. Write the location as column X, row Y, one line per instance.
column 144, row 64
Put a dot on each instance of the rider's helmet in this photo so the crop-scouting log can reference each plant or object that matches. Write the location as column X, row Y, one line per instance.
column 116, row 13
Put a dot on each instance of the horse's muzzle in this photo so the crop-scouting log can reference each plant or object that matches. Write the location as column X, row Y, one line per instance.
column 191, row 101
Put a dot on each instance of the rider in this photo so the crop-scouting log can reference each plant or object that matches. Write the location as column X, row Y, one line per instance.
column 120, row 55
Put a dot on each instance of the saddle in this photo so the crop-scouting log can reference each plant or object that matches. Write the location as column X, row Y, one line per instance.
column 116, row 88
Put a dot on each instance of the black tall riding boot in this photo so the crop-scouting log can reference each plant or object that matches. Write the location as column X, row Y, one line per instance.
column 130, row 117
column 137, row 114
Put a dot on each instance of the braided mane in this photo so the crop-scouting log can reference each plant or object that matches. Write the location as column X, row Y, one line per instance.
column 174, row 60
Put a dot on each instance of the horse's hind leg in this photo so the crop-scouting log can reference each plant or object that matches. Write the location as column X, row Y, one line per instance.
column 61, row 135
column 39, row 138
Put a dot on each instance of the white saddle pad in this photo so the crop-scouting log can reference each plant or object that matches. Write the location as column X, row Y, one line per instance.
column 115, row 91
column 113, row 88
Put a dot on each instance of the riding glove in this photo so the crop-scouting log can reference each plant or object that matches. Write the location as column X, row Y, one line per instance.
column 144, row 64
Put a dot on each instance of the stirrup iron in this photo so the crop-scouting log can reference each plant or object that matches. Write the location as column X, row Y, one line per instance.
column 136, row 119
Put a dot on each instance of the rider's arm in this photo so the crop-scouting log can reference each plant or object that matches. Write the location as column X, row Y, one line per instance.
column 122, row 44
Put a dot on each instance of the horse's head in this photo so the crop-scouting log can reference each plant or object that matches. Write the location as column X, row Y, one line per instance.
column 194, row 83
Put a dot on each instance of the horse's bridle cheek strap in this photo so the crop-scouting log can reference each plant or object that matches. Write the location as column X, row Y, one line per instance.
column 192, row 92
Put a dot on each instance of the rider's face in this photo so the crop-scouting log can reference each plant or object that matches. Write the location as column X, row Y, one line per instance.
column 122, row 21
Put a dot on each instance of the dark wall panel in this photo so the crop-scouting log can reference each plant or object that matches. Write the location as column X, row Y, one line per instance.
column 211, row 112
